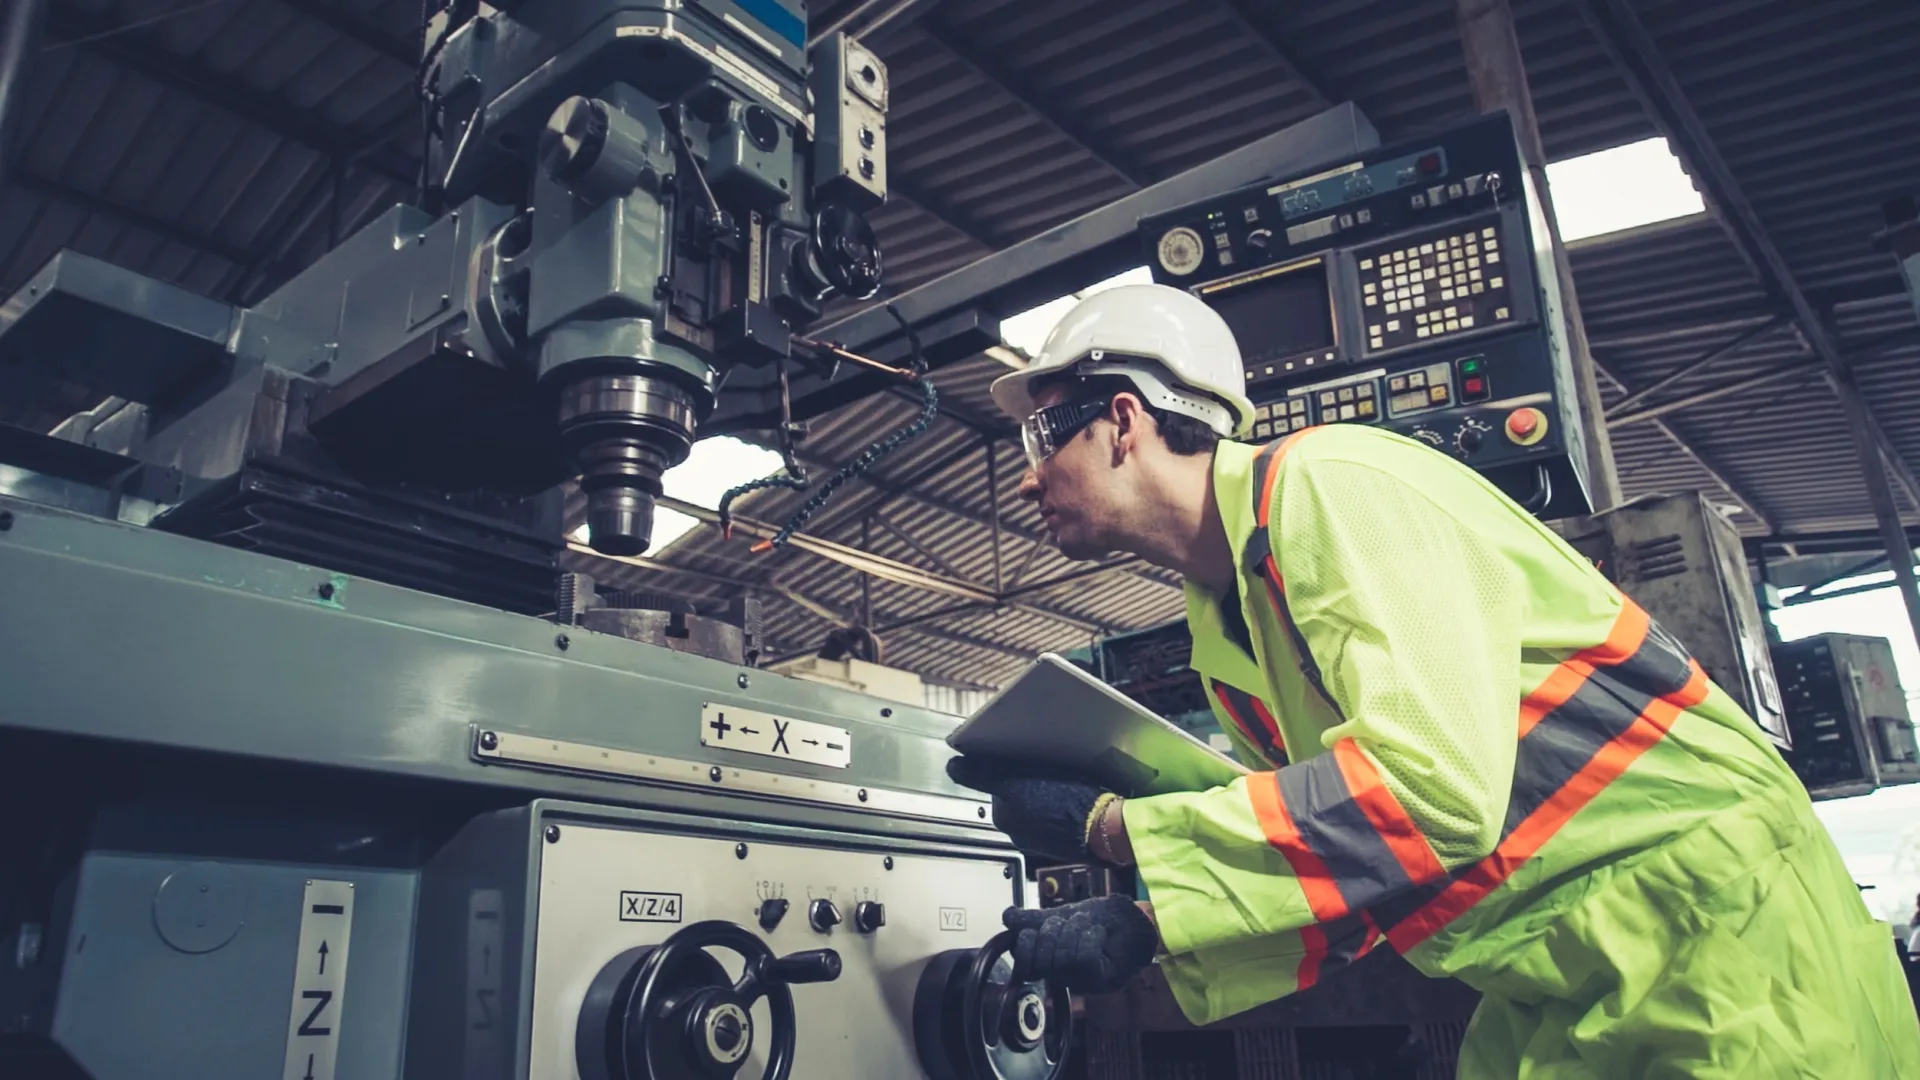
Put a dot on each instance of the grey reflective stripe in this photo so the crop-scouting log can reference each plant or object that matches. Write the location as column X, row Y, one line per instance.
column 1335, row 828
column 1564, row 743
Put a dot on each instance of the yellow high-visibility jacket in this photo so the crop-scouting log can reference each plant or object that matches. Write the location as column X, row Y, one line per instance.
column 1471, row 746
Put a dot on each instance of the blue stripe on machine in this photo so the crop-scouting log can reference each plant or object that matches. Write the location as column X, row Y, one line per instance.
column 778, row 19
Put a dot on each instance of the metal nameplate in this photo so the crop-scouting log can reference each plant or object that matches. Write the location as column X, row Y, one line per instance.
column 727, row 727
column 319, row 980
column 530, row 751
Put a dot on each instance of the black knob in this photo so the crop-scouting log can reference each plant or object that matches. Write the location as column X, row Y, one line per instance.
column 812, row 966
column 869, row 915
column 1259, row 238
column 822, row 915
column 771, row 912
column 727, row 1031
column 1469, row 440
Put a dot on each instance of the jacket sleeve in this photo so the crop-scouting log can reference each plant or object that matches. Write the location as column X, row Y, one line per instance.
column 1414, row 625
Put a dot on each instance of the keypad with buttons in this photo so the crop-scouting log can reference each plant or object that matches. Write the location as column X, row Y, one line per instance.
column 1351, row 403
column 1416, row 290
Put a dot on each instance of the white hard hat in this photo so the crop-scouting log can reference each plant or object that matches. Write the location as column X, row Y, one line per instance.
column 1178, row 352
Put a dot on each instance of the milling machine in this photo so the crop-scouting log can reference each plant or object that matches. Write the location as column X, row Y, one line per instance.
column 293, row 780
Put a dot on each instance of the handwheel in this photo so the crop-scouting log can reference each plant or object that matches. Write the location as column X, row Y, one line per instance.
column 971, row 1021
column 669, row 1011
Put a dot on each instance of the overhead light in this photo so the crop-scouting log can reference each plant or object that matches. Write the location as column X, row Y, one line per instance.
column 1028, row 330
column 714, row 467
column 1626, row 187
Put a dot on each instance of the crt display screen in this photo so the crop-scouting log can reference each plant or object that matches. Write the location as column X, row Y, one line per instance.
column 1278, row 317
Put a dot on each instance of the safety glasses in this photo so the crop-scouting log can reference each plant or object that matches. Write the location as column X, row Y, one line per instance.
column 1048, row 429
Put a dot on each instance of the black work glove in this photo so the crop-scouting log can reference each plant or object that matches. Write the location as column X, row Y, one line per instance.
column 1045, row 815
column 1093, row 946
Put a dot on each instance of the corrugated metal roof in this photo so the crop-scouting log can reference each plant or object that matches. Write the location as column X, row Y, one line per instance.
column 202, row 144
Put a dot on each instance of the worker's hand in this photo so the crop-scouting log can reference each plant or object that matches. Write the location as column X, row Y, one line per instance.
column 1093, row 946
column 1045, row 815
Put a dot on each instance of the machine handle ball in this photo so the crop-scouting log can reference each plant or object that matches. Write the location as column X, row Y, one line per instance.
column 972, row 1021
column 670, row 1012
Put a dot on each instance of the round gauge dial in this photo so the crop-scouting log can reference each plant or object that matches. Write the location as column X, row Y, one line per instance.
column 1181, row 251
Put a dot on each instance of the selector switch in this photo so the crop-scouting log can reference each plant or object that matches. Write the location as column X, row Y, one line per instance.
column 869, row 915
column 822, row 915
column 1258, row 239
column 771, row 912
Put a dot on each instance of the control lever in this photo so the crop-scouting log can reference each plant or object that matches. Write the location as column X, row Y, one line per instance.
column 812, row 966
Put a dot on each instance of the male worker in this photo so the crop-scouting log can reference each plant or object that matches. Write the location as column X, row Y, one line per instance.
column 1468, row 742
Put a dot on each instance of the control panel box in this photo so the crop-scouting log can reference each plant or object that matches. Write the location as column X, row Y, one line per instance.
column 1412, row 288
column 543, row 919
column 1852, row 731
column 1681, row 559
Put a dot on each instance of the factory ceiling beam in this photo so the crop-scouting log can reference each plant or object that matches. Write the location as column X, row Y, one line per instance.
column 169, row 231
column 1789, row 369
column 970, row 55
column 347, row 26
column 940, row 210
column 1244, row 16
column 1752, row 505
column 1634, row 55
column 587, row 560
column 888, row 489
column 1693, row 367
column 142, row 52
column 20, row 27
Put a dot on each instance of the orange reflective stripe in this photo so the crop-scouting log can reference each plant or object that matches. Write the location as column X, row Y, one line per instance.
column 1520, row 844
column 1315, row 939
column 1323, row 894
column 1237, row 704
column 1628, row 633
column 1395, row 826
column 1268, row 722
column 1264, row 483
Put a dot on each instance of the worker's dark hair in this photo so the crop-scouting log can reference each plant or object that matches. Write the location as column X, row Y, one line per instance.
column 1183, row 434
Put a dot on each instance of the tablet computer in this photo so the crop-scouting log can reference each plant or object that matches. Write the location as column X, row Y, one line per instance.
column 1058, row 715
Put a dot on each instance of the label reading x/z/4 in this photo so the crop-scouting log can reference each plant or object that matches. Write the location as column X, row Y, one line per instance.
column 727, row 727
column 649, row 907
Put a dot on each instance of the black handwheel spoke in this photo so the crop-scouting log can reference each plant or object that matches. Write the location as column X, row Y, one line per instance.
column 670, row 1011
column 972, row 1021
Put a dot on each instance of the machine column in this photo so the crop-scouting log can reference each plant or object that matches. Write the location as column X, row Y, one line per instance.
column 20, row 22
column 1499, row 79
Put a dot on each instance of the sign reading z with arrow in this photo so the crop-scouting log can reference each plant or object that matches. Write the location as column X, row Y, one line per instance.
column 319, row 979
column 726, row 727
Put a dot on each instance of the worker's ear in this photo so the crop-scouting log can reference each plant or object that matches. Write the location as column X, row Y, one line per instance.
column 1131, row 423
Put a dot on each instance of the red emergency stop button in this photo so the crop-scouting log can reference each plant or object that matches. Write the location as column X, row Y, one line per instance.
column 1526, row 426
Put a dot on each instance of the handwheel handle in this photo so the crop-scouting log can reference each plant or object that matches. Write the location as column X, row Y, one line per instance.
column 812, row 966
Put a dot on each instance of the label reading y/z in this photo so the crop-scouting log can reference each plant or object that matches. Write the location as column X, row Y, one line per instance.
column 649, row 907
column 953, row 918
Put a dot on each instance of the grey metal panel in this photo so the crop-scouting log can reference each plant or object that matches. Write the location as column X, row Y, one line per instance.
column 132, row 1006
column 333, row 671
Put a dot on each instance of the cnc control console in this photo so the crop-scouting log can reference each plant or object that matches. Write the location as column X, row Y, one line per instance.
column 1411, row 288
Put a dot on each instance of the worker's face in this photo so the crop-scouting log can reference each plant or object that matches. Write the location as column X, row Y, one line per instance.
column 1080, row 488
